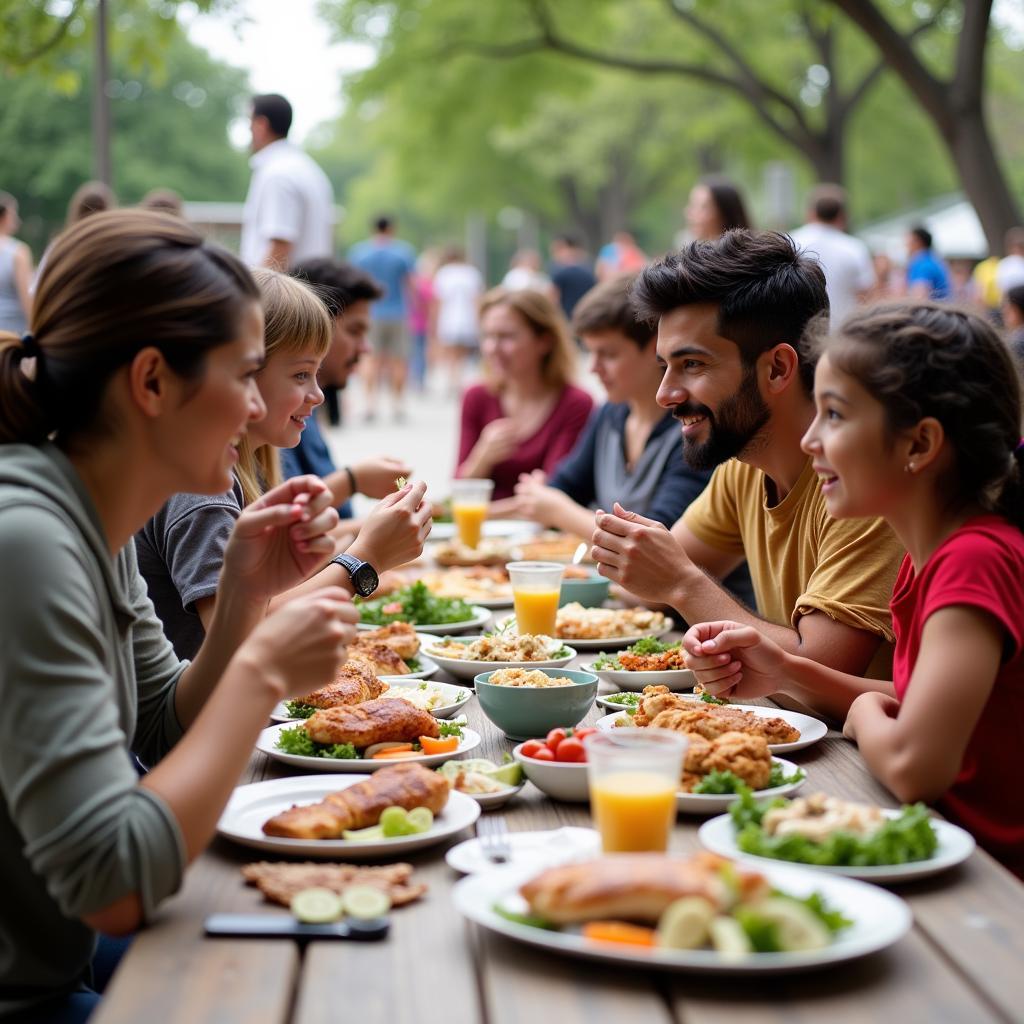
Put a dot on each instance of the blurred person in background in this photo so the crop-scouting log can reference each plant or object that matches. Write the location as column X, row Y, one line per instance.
column 849, row 274
column 390, row 262
column 15, row 269
column 984, row 278
column 715, row 206
column 927, row 275
column 963, row 289
column 526, row 414
column 1013, row 321
column 890, row 280
column 289, row 209
column 1010, row 271
column 163, row 200
column 570, row 272
column 458, row 286
column 421, row 313
column 525, row 272
column 89, row 198
column 620, row 256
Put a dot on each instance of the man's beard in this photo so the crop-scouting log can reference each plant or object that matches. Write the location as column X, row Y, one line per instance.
column 731, row 431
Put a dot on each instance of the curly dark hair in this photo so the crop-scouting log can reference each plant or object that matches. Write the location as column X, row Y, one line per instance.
column 924, row 360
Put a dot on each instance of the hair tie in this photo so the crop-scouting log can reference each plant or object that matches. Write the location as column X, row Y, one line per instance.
column 29, row 346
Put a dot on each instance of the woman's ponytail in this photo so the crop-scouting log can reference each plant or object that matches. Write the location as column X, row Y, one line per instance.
column 22, row 416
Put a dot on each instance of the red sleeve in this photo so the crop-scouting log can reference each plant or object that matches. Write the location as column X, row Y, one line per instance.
column 474, row 402
column 575, row 407
column 980, row 571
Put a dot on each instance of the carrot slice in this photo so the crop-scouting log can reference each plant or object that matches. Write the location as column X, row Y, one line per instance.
column 441, row 746
column 619, row 932
column 403, row 750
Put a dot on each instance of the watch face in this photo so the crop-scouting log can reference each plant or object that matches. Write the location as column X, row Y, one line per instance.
column 365, row 579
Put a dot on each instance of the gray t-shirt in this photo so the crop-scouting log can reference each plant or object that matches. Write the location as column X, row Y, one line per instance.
column 86, row 677
column 181, row 551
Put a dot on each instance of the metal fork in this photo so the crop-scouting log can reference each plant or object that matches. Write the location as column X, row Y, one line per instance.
column 494, row 842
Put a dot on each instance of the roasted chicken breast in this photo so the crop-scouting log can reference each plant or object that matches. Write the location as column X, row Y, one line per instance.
column 379, row 658
column 374, row 721
column 399, row 636
column 353, row 684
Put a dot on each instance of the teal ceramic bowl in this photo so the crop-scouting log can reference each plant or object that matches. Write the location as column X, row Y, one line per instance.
column 528, row 712
column 591, row 592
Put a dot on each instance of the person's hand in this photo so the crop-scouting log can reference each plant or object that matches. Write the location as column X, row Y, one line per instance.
column 639, row 554
column 394, row 532
column 732, row 660
column 497, row 441
column 326, row 623
column 867, row 706
column 536, row 501
column 376, row 477
column 281, row 539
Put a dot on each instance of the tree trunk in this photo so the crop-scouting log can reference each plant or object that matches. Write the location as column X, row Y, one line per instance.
column 974, row 155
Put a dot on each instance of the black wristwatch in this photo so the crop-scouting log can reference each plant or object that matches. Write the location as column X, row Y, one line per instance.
column 363, row 575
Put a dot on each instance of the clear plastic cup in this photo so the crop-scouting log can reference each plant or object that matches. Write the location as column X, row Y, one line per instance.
column 536, row 587
column 634, row 775
column 470, row 498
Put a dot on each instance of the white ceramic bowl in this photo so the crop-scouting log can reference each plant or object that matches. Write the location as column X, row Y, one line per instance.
column 561, row 780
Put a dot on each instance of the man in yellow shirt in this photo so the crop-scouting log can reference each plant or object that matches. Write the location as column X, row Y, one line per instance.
column 731, row 314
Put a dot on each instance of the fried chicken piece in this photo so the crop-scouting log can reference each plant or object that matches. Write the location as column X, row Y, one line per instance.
column 635, row 887
column 374, row 721
column 663, row 662
column 354, row 684
column 359, row 806
column 399, row 636
column 379, row 658
column 746, row 756
column 655, row 700
column 665, row 710
column 280, row 882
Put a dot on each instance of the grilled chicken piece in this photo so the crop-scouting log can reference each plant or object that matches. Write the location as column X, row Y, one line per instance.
column 360, row 805
column 353, row 684
column 746, row 756
column 635, row 887
column 380, row 659
column 399, row 636
column 279, row 882
column 374, row 721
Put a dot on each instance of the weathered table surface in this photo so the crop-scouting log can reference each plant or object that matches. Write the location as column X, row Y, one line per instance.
column 963, row 961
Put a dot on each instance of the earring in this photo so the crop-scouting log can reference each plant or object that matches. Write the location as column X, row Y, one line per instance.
column 908, row 468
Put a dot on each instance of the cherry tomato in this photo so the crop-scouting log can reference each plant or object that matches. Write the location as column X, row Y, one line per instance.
column 530, row 748
column 554, row 738
column 543, row 754
column 570, row 749
column 582, row 734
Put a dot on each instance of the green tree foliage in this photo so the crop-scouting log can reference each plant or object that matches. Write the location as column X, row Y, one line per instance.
column 170, row 131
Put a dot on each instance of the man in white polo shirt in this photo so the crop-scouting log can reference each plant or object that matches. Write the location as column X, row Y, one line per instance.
column 289, row 211
column 849, row 272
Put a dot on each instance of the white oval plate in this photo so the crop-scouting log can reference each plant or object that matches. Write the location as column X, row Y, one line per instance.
column 879, row 920
column 533, row 850
column 715, row 803
column 607, row 702
column 608, row 642
column 955, row 846
column 481, row 616
column 462, row 669
column 251, row 806
column 811, row 729
column 267, row 739
column 677, row 679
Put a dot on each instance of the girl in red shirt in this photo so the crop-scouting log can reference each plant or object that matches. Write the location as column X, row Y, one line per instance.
column 918, row 420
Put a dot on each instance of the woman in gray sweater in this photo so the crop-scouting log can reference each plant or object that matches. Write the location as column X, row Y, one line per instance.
column 135, row 383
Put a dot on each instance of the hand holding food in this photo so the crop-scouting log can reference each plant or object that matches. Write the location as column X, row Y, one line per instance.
column 394, row 532
column 734, row 660
column 638, row 553
column 281, row 538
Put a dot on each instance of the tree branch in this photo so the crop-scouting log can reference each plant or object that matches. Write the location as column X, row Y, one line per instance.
column 59, row 32
column 968, row 77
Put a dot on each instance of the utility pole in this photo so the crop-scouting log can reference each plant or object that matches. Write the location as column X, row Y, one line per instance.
column 100, row 99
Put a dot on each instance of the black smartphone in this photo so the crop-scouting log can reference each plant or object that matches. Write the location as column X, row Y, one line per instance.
column 260, row 926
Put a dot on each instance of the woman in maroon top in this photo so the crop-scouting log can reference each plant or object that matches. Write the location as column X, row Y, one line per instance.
column 526, row 414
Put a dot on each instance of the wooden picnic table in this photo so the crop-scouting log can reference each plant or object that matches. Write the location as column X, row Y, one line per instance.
column 962, row 962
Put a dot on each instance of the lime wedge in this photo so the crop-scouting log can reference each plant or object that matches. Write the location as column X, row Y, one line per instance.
column 420, row 819
column 317, row 906
column 507, row 774
column 365, row 902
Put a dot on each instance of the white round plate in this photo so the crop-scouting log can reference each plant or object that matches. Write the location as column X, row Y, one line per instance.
column 454, row 697
column 426, row 670
column 481, row 616
column 677, row 680
column 715, row 803
column 607, row 702
column 267, row 740
column 955, row 846
column 529, row 850
column 811, row 729
column 492, row 528
column 489, row 801
column 879, row 920
column 251, row 806
column 462, row 669
column 605, row 643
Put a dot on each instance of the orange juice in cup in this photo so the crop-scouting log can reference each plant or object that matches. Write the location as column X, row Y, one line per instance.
column 470, row 498
column 634, row 775
column 535, row 590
